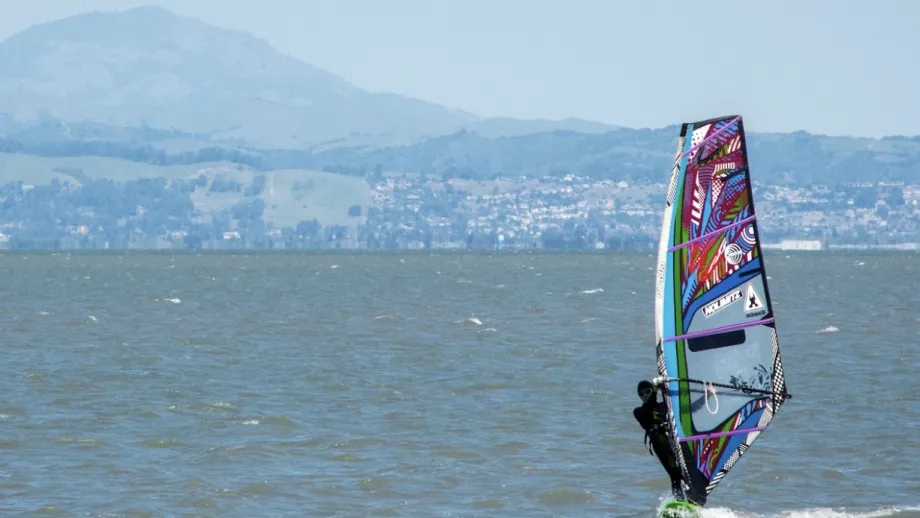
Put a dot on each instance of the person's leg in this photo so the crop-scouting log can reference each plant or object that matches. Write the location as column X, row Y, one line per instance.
column 663, row 451
column 676, row 489
column 674, row 474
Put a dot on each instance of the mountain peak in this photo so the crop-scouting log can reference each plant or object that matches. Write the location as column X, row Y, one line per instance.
column 150, row 10
column 148, row 65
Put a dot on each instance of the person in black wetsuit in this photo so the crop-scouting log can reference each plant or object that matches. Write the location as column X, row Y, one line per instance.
column 652, row 416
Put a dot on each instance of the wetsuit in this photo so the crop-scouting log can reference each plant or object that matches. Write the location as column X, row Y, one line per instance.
column 652, row 417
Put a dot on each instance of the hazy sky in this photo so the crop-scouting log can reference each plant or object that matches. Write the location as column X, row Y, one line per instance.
column 840, row 67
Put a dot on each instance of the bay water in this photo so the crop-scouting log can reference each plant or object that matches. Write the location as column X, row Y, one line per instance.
column 421, row 384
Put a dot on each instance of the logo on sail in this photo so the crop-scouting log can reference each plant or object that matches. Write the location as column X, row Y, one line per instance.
column 659, row 281
column 733, row 254
column 760, row 379
column 753, row 306
column 722, row 302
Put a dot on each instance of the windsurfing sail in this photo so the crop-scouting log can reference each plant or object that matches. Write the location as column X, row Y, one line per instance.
column 716, row 336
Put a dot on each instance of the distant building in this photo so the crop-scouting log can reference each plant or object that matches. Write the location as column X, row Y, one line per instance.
column 800, row 244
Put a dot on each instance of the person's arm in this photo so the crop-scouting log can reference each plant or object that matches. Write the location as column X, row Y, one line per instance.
column 642, row 414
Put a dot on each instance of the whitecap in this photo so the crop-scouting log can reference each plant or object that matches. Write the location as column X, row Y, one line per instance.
column 470, row 320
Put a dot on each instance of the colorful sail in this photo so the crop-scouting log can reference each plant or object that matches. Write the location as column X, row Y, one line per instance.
column 716, row 336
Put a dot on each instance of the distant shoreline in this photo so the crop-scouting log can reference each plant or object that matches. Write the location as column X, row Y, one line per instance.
column 420, row 252
column 801, row 245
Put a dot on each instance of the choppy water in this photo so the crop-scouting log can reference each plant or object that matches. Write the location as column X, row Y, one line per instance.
column 425, row 385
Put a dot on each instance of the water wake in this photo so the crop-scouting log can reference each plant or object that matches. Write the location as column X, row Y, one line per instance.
column 818, row 512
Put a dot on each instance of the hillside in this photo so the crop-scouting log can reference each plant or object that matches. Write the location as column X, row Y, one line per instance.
column 642, row 155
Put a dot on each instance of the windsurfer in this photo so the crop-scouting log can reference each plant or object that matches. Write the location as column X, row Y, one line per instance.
column 651, row 416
